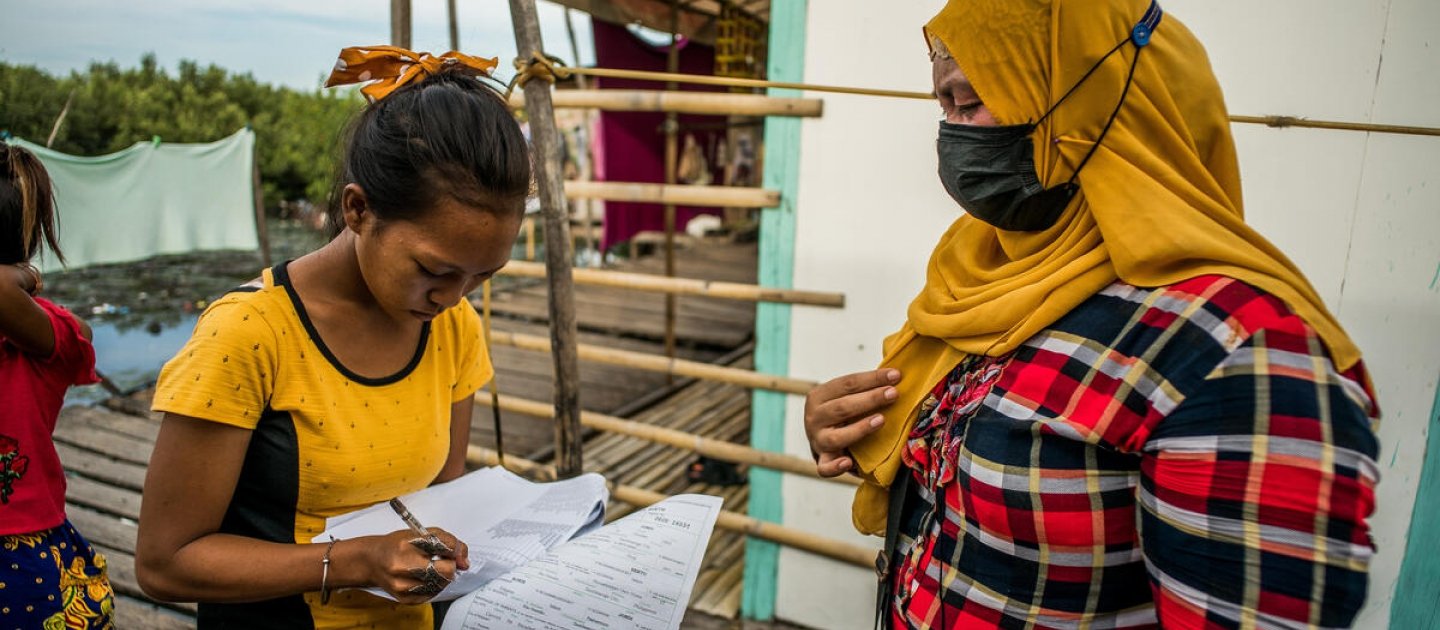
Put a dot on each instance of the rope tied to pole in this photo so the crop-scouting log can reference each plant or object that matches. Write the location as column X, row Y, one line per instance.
column 539, row 65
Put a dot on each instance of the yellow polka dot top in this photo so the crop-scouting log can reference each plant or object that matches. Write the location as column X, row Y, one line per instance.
column 326, row 441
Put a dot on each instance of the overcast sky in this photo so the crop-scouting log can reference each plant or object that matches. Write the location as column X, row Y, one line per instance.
column 290, row 42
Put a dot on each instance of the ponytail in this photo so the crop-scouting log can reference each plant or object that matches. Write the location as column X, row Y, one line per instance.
column 27, row 207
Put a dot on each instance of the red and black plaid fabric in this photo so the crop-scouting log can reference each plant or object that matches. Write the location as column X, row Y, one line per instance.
column 1185, row 457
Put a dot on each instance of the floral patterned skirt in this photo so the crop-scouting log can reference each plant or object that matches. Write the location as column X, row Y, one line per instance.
column 53, row 580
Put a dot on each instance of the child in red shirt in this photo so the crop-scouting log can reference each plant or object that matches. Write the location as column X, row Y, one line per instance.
column 49, row 575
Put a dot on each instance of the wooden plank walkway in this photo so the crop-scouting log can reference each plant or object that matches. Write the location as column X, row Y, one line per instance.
column 700, row 322
column 607, row 389
column 707, row 328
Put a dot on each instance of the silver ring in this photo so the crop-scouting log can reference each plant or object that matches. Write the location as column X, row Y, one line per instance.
column 429, row 574
column 427, row 589
column 431, row 546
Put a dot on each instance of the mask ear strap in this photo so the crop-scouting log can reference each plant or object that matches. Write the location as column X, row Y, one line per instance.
column 1128, row 79
column 1140, row 36
column 1077, row 84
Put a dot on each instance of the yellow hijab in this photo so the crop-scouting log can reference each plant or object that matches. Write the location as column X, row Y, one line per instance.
column 1159, row 202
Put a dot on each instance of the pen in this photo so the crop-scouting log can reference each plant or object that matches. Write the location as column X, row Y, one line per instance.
column 409, row 519
column 425, row 541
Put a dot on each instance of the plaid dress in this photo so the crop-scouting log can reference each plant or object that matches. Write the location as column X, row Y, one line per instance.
column 1185, row 457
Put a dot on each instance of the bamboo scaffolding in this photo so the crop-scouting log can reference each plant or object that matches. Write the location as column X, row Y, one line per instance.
column 557, row 269
column 657, row 363
column 709, row 103
column 681, row 286
column 708, row 447
column 674, row 194
column 640, row 497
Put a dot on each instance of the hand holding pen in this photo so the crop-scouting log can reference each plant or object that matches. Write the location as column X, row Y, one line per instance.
column 425, row 582
column 424, row 540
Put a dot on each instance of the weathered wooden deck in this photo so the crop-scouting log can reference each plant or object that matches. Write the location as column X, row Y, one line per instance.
column 706, row 329
column 105, row 452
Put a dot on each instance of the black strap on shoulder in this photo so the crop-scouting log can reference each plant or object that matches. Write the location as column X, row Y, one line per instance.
column 884, row 561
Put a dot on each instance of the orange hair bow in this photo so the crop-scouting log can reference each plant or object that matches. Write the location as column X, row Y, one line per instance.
column 392, row 67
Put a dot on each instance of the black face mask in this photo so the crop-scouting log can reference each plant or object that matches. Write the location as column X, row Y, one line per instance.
column 990, row 171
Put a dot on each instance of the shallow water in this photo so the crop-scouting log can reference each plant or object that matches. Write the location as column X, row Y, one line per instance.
column 131, row 357
column 142, row 312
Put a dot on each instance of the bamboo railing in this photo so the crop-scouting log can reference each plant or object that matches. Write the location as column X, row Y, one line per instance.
column 665, row 365
column 1269, row 121
column 674, row 194
column 681, row 286
column 790, row 537
column 709, row 447
column 712, row 103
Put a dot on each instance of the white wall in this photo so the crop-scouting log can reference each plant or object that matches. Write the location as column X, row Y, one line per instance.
column 1360, row 213
column 870, row 209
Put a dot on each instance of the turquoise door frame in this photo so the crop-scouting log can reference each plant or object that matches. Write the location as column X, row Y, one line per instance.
column 1416, row 605
column 772, row 321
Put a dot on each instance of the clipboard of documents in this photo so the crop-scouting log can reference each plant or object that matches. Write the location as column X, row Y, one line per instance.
column 541, row 557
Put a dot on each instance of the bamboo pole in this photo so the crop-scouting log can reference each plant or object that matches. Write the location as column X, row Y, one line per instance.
column 454, row 25
column 59, row 120
column 528, row 226
column 548, row 175
column 400, row 23
column 657, row 363
column 709, row 103
column 680, row 286
column 730, row 521
column 587, row 172
column 702, row 79
column 1271, row 121
column 713, row 196
column 709, row 447
column 1291, row 121
column 672, row 155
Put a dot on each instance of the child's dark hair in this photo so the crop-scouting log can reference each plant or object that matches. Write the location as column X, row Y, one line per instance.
column 451, row 135
column 27, row 207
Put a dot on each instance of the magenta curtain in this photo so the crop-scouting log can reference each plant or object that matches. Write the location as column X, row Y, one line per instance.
column 631, row 146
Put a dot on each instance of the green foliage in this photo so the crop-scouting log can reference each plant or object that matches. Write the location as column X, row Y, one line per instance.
column 112, row 108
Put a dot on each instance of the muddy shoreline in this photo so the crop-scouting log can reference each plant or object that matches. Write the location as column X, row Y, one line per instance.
column 158, row 293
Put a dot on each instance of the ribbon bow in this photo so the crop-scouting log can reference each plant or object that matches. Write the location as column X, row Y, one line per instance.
column 391, row 67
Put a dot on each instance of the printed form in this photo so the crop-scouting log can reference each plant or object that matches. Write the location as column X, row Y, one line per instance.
column 634, row 573
column 507, row 521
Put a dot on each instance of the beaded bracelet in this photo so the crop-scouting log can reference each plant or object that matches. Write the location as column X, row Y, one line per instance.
column 325, row 573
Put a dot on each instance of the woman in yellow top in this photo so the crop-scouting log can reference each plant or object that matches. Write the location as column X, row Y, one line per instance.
column 342, row 378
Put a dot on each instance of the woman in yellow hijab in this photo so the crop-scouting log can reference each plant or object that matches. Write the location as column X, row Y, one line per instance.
column 1113, row 403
